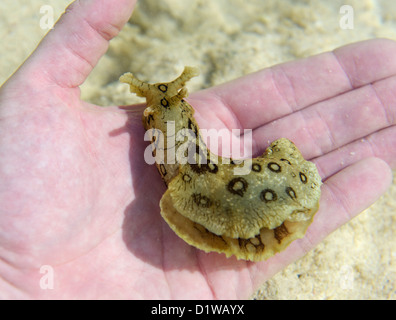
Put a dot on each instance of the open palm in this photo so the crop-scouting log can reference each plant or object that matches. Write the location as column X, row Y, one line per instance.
column 77, row 196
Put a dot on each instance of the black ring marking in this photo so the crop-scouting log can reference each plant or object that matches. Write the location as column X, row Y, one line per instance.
column 241, row 185
column 163, row 87
column 291, row 193
column 164, row 103
column 274, row 167
column 268, row 195
column 303, row 178
column 256, row 167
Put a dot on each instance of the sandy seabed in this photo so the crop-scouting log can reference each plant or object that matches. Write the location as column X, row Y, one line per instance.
column 227, row 39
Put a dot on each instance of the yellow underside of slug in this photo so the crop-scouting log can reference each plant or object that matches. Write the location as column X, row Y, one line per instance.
column 261, row 247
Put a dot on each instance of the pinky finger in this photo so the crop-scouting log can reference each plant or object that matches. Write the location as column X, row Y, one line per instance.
column 346, row 194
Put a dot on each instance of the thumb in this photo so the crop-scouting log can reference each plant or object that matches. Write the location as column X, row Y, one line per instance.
column 69, row 52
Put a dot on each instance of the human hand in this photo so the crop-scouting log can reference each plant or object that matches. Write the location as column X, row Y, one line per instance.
column 77, row 195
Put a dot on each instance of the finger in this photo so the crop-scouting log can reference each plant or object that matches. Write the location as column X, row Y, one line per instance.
column 333, row 123
column 381, row 144
column 69, row 52
column 272, row 93
column 347, row 193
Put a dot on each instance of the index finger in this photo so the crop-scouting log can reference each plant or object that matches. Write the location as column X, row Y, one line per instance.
column 269, row 94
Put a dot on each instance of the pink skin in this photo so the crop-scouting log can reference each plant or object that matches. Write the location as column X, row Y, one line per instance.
column 76, row 194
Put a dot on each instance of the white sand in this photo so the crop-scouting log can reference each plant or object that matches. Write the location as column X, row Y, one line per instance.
column 227, row 39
